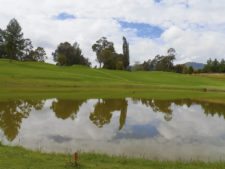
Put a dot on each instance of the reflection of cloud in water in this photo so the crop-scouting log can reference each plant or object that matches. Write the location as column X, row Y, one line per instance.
column 189, row 133
column 138, row 132
column 60, row 139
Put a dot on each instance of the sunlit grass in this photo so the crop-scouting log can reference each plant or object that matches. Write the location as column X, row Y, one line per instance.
column 19, row 158
column 30, row 79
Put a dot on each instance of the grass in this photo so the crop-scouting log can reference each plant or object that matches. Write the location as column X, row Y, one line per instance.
column 19, row 158
column 40, row 80
column 29, row 79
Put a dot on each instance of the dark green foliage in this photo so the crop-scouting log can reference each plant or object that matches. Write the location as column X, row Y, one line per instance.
column 159, row 63
column 2, row 50
column 101, row 47
column 112, row 60
column 126, row 53
column 190, row 70
column 182, row 68
column 68, row 55
column 14, row 42
column 107, row 55
column 14, row 46
column 38, row 55
column 214, row 66
column 28, row 48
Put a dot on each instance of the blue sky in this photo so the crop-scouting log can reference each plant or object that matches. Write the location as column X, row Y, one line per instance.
column 65, row 16
column 194, row 29
column 143, row 30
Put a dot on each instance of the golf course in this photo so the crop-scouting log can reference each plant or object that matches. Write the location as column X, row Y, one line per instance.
column 20, row 79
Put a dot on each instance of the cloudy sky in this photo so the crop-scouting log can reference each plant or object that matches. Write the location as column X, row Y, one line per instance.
column 195, row 28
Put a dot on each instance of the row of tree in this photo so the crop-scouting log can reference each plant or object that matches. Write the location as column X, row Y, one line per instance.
column 14, row 46
column 164, row 63
column 214, row 66
column 108, row 57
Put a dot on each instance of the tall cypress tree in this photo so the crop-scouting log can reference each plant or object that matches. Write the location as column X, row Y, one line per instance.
column 126, row 53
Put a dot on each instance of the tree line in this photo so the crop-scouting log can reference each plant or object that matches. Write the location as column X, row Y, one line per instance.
column 214, row 66
column 14, row 46
column 163, row 63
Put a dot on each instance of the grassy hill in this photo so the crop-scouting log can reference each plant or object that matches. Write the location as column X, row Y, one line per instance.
column 29, row 77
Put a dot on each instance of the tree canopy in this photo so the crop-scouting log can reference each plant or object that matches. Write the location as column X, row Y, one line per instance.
column 14, row 46
column 108, row 57
column 214, row 66
column 68, row 55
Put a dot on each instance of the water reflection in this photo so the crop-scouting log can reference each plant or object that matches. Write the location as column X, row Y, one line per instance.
column 12, row 113
column 104, row 108
column 151, row 127
column 66, row 108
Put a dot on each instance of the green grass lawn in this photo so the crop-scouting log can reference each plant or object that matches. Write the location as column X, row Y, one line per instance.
column 19, row 158
column 18, row 79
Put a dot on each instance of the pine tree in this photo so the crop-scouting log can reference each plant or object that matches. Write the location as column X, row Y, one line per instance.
column 14, row 41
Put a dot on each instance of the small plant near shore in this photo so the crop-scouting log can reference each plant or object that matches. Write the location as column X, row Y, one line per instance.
column 73, row 160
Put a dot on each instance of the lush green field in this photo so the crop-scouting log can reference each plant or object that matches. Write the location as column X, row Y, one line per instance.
column 27, row 79
column 19, row 158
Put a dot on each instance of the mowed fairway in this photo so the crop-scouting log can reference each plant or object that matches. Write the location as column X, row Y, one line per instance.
column 31, row 77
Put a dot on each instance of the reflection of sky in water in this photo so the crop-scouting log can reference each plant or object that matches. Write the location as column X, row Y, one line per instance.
column 190, row 134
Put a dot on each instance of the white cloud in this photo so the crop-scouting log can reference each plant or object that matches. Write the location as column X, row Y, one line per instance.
column 196, row 28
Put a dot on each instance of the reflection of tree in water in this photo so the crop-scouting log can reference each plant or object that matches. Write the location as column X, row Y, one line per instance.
column 213, row 109
column 164, row 106
column 65, row 108
column 12, row 113
column 105, row 107
column 210, row 108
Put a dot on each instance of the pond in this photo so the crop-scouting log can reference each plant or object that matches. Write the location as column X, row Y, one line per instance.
column 154, row 129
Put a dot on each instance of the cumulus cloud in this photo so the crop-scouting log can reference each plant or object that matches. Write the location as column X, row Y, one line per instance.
column 196, row 29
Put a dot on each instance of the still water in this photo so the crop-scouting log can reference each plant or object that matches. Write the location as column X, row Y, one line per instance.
column 154, row 129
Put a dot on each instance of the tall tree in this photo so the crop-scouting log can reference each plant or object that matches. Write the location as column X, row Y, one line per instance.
column 126, row 53
column 2, row 50
column 101, row 45
column 28, row 49
column 14, row 41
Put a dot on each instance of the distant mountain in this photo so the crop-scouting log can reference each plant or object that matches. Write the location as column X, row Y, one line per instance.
column 195, row 65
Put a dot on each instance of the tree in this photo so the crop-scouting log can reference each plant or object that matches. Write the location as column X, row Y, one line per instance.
column 190, row 70
column 68, row 55
column 28, row 49
column 126, row 53
column 180, row 68
column 14, row 41
column 39, row 55
column 2, row 50
column 100, row 47
column 171, row 52
column 222, row 66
